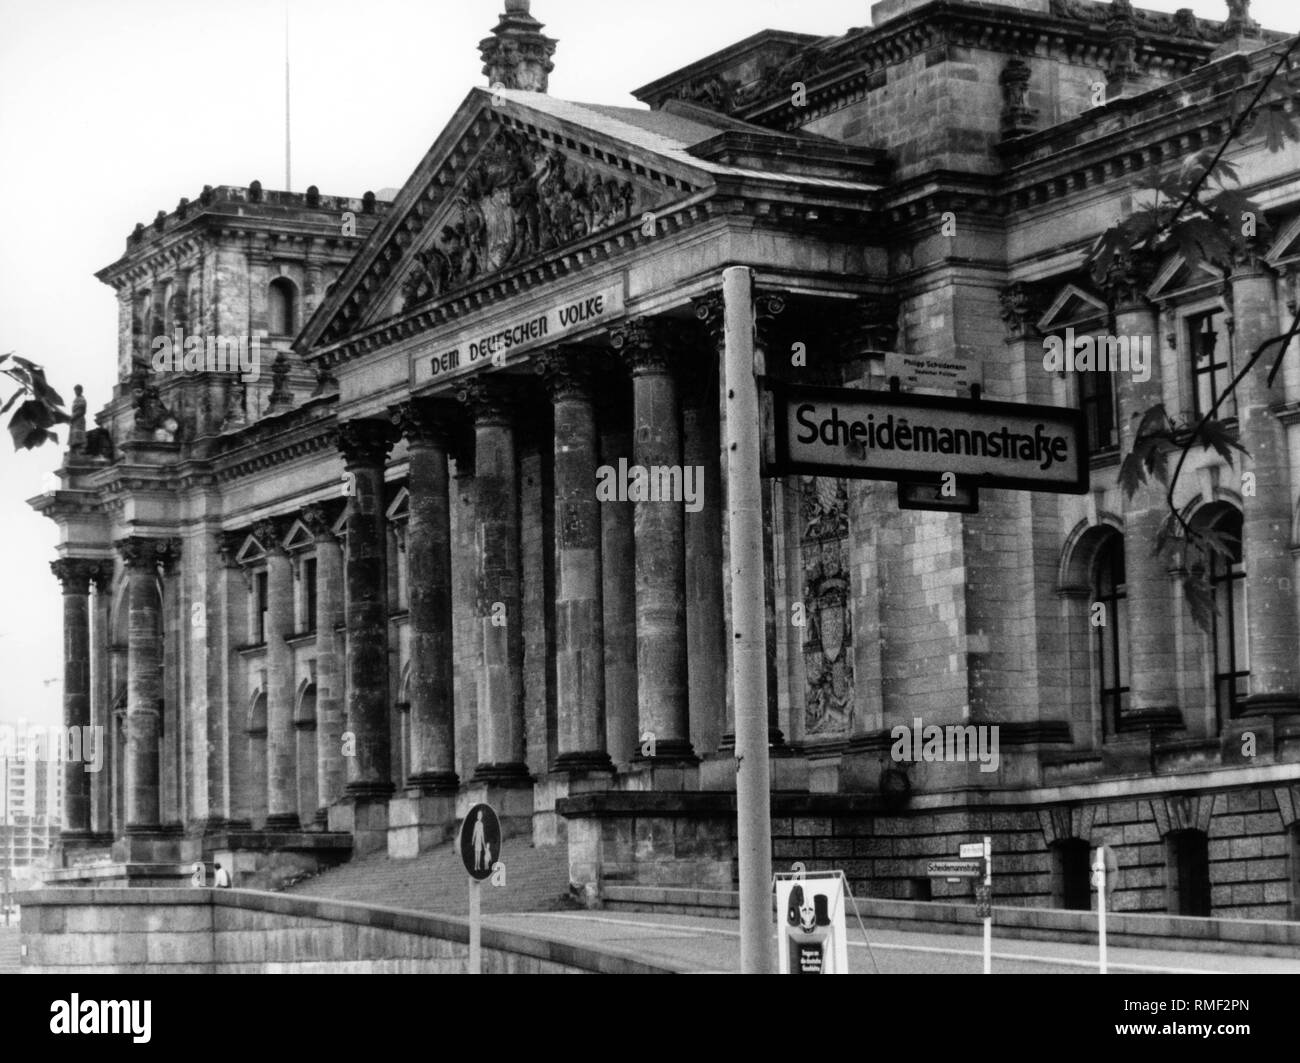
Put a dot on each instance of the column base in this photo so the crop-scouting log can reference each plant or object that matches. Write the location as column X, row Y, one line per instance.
column 512, row 773
column 654, row 773
column 149, row 845
column 434, row 782
column 548, row 825
column 80, row 847
column 364, row 816
column 672, row 751
column 283, row 821
column 511, row 798
column 582, row 762
column 419, row 821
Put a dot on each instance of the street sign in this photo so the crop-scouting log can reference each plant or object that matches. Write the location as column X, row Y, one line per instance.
column 810, row 935
column 885, row 435
column 480, row 841
column 1112, row 869
column 927, row 372
column 930, row 497
column 955, row 868
column 971, row 851
column 983, row 901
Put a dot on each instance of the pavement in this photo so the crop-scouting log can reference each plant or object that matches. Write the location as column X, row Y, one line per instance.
column 700, row 945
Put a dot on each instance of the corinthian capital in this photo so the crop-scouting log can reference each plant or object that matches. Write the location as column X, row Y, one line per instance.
column 77, row 573
column 426, row 421
column 648, row 345
column 142, row 552
column 366, row 441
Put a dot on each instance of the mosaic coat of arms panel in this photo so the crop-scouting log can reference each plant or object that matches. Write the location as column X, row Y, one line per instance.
column 828, row 606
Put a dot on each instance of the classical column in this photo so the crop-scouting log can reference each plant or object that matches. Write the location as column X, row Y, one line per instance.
column 660, row 570
column 618, row 577
column 75, row 574
column 101, row 715
column 706, row 631
column 1153, row 674
column 579, row 624
column 428, row 556
column 1273, row 633
column 142, row 557
column 330, row 770
column 501, row 747
column 365, row 444
column 281, row 739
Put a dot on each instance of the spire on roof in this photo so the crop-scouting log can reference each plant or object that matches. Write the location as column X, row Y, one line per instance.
column 518, row 54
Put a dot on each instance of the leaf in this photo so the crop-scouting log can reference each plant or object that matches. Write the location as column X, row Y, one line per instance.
column 1210, row 540
column 1213, row 435
column 29, row 425
column 1201, row 240
column 1277, row 126
column 4, row 356
column 12, row 399
column 42, row 390
column 1200, row 600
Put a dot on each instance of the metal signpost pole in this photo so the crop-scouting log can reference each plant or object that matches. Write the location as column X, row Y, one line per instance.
column 1100, row 868
column 988, row 919
column 749, row 649
column 475, row 927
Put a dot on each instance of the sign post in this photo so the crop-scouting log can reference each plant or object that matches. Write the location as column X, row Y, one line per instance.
column 810, row 936
column 749, row 651
column 480, row 848
column 1104, row 875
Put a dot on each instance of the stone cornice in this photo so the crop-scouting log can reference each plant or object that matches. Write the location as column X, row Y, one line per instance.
column 848, row 69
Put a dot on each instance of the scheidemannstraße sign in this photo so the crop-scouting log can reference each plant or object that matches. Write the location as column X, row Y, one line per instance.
column 888, row 435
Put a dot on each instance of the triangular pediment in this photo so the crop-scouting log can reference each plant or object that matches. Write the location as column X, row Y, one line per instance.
column 1071, row 306
column 1175, row 274
column 1287, row 243
column 299, row 537
column 514, row 178
column 400, row 508
column 250, row 552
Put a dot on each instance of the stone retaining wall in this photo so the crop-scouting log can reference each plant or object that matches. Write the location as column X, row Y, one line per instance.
column 208, row 931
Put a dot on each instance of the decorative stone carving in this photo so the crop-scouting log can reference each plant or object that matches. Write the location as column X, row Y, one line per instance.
column 427, row 420
column 1019, row 310
column 270, row 535
column 828, row 604
column 77, row 421
column 521, row 197
column 1018, row 118
column 152, row 419
column 518, row 54
column 567, row 371
column 281, row 398
column 646, row 345
column 138, row 551
column 319, row 522
column 491, row 401
column 366, row 441
column 77, row 573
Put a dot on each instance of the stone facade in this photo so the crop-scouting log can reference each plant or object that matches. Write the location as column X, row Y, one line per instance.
column 392, row 578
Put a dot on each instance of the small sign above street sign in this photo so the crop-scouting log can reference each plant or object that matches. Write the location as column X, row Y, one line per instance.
column 480, row 841
column 971, row 851
column 930, row 497
column 884, row 435
column 955, row 869
column 921, row 372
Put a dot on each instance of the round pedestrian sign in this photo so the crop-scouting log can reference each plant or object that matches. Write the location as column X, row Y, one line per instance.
column 480, row 841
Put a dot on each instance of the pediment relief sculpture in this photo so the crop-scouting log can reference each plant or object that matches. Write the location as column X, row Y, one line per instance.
column 522, row 197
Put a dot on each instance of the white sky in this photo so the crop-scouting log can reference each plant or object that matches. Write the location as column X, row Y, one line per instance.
column 110, row 112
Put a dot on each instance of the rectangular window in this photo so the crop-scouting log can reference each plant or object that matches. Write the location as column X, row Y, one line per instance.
column 1210, row 347
column 309, row 593
column 1098, row 401
column 262, row 597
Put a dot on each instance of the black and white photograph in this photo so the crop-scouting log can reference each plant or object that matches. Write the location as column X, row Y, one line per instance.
column 564, row 486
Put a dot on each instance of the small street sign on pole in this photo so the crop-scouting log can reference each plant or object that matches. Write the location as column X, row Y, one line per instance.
column 988, row 911
column 479, row 843
column 970, row 851
column 954, row 869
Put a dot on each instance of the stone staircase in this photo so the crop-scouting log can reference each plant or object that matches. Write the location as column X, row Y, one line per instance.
column 537, row 880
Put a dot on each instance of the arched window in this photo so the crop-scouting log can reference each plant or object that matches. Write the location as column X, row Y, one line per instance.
column 1227, row 576
column 1071, row 868
column 282, row 307
column 1111, row 627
